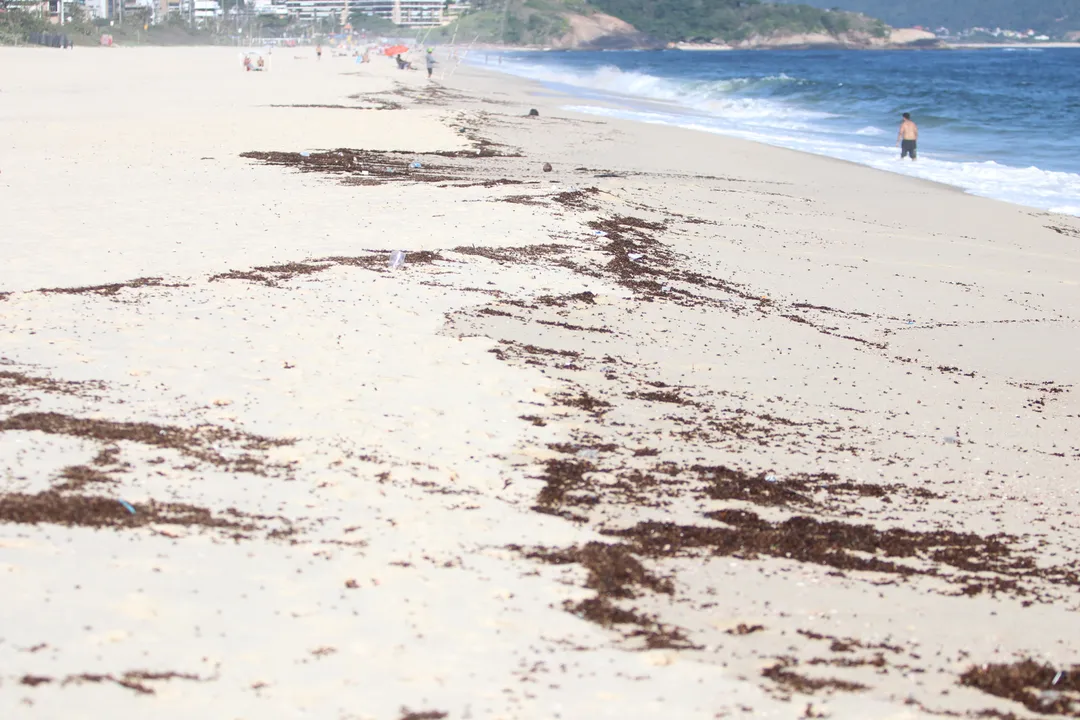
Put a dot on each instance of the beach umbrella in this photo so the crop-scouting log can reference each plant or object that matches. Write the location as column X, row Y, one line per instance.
column 396, row 50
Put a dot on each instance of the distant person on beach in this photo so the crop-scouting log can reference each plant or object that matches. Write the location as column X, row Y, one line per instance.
column 402, row 64
column 318, row 52
column 908, row 137
column 430, row 62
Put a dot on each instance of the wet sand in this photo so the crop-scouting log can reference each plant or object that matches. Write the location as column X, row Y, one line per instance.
column 684, row 427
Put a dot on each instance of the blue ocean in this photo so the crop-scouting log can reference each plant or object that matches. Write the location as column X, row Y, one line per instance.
column 1002, row 123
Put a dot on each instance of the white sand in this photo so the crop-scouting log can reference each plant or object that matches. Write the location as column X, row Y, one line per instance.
column 412, row 471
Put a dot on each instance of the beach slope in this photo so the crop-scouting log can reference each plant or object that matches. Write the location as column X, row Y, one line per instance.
column 684, row 426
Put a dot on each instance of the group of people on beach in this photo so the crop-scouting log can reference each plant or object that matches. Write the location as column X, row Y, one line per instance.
column 402, row 63
column 253, row 61
column 259, row 63
column 429, row 62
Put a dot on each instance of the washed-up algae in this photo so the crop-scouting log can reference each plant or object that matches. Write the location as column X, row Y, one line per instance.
column 1041, row 688
column 57, row 508
column 201, row 442
column 615, row 574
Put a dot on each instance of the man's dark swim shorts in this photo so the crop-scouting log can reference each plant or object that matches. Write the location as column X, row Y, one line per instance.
column 907, row 147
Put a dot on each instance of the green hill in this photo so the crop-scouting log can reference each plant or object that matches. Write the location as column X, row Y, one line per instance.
column 734, row 20
column 517, row 22
column 1050, row 16
column 539, row 22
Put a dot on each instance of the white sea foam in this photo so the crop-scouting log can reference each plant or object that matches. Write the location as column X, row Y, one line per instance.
column 1031, row 186
column 712, row 97
column 869, row 131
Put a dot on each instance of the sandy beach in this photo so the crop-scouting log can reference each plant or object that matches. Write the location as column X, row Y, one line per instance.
column 685, row 427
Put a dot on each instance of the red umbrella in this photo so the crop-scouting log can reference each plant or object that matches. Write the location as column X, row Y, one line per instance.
column 396, row 50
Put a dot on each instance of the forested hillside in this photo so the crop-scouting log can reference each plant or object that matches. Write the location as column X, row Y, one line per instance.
column 1053, row 16
column 540, row 22
column 732, row 20
column 515, row 22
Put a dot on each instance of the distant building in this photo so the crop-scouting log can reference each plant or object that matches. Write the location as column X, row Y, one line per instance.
column 314, row 9
column 152, row 11
column 277, row 8
column 407, row 13
column 149, row 10
column 455, row 10
column 98, row 8
column 51, row 8
column 199, row 9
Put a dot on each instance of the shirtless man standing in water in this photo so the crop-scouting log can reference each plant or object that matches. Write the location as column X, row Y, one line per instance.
column 907, row 137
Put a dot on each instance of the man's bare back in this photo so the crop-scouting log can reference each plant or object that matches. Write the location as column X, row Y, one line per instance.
column 909, row 130
column 907, row 137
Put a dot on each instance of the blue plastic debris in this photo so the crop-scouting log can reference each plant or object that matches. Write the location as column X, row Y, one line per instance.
column 127, row 506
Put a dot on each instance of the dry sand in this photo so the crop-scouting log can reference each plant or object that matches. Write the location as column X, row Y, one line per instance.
column 811, row 453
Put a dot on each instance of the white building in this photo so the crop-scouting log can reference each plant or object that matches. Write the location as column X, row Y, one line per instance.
column 152, row 10
column 315, row 9
column 278, row 8
column 51, row 8
column 200, row 9
column 98, row 8
column 407, row 13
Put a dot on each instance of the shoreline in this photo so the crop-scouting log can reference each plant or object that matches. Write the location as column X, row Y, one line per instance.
column 1013, row 46
column 684, row 426
column 586, row 100
column 943, row 45
column 538, row 87
column 682, row 47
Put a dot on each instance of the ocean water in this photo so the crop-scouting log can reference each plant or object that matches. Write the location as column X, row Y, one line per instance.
column 1001, row 123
